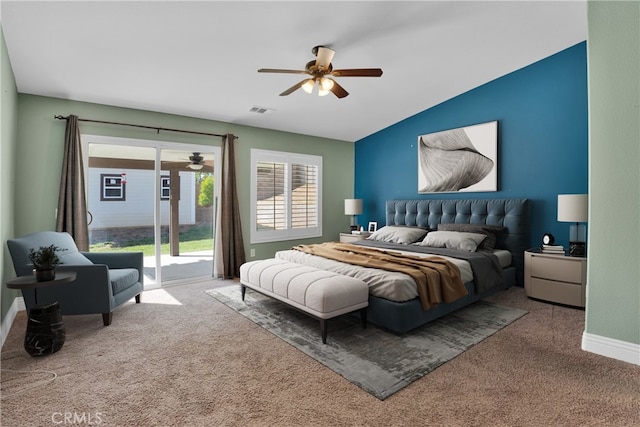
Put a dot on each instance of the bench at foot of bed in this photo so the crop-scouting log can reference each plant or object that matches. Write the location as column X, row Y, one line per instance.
column 321, row 294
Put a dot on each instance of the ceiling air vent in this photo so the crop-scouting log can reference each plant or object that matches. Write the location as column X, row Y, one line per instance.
column 261, row 110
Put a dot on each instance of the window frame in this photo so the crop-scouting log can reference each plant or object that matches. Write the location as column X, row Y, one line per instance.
column 104, row 186
column 163, row 188
column 264, row 236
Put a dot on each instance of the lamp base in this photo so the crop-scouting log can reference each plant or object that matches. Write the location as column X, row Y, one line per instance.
column 355, row 227
column 577, row 249
column 577, row 233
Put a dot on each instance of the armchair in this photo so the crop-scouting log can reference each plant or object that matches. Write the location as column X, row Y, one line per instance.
column 104, row 280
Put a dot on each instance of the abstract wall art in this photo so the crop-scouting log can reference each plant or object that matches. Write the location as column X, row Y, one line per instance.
column 456, row 160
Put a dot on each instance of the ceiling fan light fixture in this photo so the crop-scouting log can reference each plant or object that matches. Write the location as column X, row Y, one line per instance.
column 318, row 70
column 308, row 85
column 326, row 84
column 195, row 166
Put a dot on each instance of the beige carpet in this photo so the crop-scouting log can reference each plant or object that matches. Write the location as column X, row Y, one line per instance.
column 183, row 359
column 378, row 361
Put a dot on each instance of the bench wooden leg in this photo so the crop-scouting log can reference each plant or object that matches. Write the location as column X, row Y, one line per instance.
column 363, row 317
column 243, row 288
column 138, row 299
column 323, row 330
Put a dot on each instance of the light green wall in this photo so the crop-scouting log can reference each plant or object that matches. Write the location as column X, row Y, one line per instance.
column 613, row 290
column 39, row 156
column 8, row 114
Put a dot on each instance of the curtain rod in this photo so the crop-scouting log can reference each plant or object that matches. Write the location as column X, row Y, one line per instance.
column 158, row 129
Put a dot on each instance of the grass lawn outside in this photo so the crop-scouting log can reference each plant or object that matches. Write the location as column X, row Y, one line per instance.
column 194, row 240
column 149, row 250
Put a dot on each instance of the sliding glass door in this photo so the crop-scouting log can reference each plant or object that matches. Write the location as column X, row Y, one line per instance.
column 157, row 198
column 186, row 213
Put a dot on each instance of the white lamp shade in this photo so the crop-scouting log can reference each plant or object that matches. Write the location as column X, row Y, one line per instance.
column 573, row 207
column 352, row 206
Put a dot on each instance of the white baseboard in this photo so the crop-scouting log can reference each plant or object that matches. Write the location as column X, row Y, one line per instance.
column 16, row 306
column 609, row 347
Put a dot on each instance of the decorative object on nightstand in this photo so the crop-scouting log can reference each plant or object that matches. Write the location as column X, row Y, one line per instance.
column 553, row 249
column 575, row 208
column 353, row 207
column 548, row 246
column 555, row 278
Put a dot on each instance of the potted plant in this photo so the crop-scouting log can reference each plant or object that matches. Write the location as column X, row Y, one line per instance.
column 44, row 262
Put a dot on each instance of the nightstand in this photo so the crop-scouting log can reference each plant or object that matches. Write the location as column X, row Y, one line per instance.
column 348, row 237
column 555, row 278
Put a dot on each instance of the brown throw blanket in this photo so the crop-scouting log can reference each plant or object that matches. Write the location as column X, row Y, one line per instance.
column 438, row 280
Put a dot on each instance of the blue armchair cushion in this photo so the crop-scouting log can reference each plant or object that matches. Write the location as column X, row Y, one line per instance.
column 122, row 278
column 73, row 258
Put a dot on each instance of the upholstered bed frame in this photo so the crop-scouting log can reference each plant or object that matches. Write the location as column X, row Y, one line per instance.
column 514, row 214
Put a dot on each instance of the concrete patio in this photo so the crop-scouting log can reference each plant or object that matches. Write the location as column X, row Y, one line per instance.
column 180, row 268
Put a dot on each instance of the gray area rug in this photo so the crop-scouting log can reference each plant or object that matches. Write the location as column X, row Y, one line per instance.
column 377, row 361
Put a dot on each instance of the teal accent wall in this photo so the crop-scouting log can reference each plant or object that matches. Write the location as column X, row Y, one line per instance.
column 542, row 142
column 613, row 277
column 8, row 135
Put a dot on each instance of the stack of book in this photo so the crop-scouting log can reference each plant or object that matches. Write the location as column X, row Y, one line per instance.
column 553, row 249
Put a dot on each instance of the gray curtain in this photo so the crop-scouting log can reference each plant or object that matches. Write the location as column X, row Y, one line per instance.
column 229, row 247
column 72, row 203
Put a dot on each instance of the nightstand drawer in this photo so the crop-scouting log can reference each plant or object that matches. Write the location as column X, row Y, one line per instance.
column 563, row 293
column 561, row 269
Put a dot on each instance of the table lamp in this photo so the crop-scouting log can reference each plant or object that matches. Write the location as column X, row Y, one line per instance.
column 575, row 208
column 353, row 207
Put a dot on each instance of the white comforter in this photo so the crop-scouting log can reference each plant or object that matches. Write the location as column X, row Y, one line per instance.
column 390, row 285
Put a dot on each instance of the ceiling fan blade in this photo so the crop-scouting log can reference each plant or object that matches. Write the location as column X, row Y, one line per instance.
column 324, row 57
column 338, row 90
column 358, row 72
column 276, row 70
column 294, row 88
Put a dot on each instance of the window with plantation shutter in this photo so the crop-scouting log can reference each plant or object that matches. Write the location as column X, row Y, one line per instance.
column 285, row 196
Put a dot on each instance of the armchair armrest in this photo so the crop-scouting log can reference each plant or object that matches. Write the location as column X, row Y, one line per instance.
column 119, row 260
column 89, row 293
column 116, row 259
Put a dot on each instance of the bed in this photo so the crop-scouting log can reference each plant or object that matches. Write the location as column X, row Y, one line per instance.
column 393, row 303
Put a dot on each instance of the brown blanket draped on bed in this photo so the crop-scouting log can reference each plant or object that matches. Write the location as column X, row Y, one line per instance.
column 438, row 280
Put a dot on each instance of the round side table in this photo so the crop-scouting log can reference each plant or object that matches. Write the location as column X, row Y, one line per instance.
column 45, row 329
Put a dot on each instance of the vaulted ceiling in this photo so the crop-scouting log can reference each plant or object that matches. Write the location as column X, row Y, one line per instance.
column 200, row 59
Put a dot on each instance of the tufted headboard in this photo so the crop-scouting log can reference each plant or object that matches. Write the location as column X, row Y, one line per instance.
column 510, row 213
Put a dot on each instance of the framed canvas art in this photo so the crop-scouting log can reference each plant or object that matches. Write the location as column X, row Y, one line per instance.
column 457, row 160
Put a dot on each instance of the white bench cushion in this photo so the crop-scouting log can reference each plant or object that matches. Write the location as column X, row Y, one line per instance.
column 321, row 293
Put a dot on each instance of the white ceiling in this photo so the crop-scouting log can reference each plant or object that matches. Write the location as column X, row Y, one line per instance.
column 200, row 59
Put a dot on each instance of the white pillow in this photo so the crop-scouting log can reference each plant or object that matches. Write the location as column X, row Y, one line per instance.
column 453, row 240
column 398, row 234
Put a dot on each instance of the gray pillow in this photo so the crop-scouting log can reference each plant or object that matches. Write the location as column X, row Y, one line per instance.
column 453, row 240
column 488, row 244
column 398, row 234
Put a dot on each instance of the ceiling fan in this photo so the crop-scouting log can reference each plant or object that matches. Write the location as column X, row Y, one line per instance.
column 196, row 162
column 320, row 69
